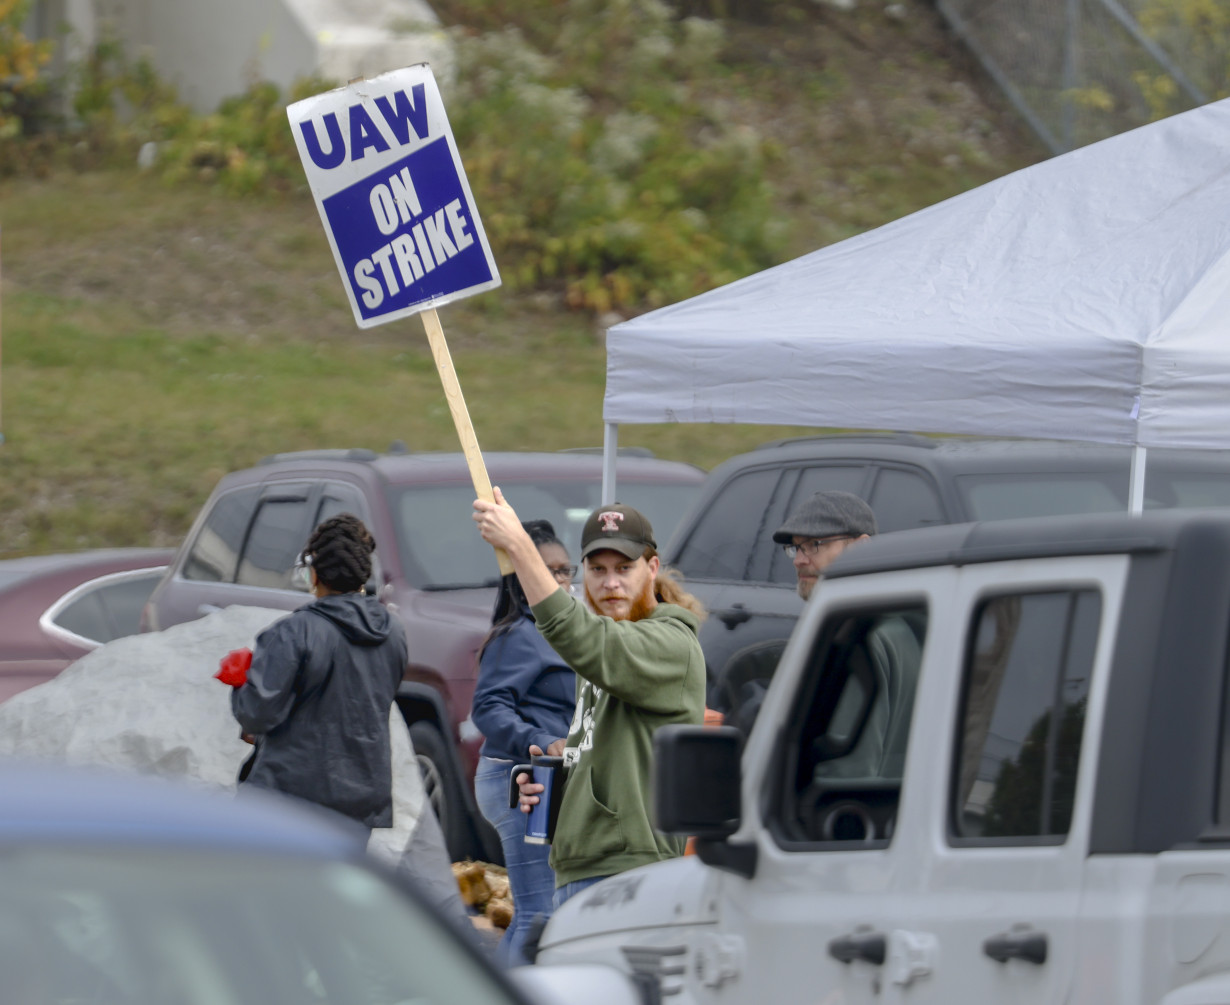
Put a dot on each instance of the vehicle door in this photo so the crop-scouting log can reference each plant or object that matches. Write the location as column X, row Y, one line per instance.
column 280, row 528
column 991, row 913
column 201, row 579
column 246, row 550
column 835, row 739
column 337, row 498
column 904, row 497
column 287, row 514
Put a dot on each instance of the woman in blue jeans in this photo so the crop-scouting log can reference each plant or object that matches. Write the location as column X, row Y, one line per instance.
column 525, row 696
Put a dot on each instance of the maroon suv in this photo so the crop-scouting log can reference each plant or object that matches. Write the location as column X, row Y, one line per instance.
column 430, row 564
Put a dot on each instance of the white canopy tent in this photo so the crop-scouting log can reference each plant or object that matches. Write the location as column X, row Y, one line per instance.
column 1086, row 297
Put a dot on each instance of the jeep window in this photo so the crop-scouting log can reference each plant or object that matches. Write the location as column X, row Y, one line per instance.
column 215, row 552
column 725, row 537
column 846, row 746
column 903, row 500
column 1004, row 497
column 278, row 535
column 441, row 549
column 1022, row 717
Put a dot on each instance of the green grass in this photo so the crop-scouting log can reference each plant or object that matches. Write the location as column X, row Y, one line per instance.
column 115, row 432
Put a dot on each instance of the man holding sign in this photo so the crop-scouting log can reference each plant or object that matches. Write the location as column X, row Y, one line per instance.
column 639, row 666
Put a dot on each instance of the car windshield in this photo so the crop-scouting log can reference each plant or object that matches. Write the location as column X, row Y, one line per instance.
column 198, row 928
column 441, row 547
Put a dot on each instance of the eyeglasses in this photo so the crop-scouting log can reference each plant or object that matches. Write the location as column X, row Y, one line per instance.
column 564, row 573
column 812, row 547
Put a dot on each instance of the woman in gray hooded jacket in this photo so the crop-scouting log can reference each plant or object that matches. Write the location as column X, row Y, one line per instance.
column 318, row 694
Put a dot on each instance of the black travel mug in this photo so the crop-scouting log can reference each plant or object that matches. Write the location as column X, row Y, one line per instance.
column 545, row 770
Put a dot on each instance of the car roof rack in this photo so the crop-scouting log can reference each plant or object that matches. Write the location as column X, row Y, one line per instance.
column 904, row 439
column 340, row 454
column 620, row 452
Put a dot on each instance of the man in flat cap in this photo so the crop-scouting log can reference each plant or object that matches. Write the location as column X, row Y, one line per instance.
column 639, row 666
column 890, row 648
column 821, row 529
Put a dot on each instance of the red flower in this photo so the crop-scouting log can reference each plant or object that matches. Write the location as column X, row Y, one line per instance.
column 233, row 669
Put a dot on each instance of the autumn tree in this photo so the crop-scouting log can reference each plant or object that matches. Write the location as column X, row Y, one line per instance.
column 21, row 59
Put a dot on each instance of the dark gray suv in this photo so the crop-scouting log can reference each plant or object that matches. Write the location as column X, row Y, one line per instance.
column 724, row 546
column 430, row 565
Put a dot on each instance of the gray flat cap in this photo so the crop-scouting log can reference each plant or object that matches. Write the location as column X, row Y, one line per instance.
column 826, row 514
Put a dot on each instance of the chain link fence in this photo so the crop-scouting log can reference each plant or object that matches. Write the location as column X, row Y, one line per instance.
column 1083, row 70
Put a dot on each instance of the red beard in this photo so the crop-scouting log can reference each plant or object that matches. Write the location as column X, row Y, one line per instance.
column 641, row 606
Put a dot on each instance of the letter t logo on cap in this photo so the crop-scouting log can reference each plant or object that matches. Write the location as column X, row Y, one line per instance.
column 610, row 521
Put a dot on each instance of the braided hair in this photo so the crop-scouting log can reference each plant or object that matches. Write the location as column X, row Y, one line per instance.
column 510, row 602
column 340, row 550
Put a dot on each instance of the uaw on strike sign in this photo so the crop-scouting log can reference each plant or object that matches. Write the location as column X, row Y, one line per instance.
column 384, row 170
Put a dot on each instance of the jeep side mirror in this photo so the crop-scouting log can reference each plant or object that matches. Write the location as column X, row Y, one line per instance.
column 697, row 781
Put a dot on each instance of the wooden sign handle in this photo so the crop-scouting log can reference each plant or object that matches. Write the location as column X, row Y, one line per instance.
column 461, row 419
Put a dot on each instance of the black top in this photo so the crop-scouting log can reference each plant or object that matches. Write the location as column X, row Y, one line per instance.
column 318, row 697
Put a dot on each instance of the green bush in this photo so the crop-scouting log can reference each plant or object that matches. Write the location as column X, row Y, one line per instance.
column 600, row 162
column 21, row 62
column 1199, row 31
column 532, row 15
column 119, row 105
column 245, row 147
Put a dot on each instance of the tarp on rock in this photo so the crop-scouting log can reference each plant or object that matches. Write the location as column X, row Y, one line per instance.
column 1086, row 297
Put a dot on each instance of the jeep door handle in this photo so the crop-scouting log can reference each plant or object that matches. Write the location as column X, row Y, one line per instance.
column 861, row 945
column 734, row 617
column 1019, row 944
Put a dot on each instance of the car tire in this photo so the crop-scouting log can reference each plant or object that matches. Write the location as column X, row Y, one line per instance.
column 443, row 788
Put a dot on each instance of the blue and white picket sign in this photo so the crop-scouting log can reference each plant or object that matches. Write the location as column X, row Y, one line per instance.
column 387, row 178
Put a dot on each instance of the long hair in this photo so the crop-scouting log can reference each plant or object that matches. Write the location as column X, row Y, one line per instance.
column 668, row 588
column 510, row 602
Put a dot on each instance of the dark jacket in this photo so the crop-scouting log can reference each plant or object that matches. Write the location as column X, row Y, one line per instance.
column 318, row 697
column 525, row 693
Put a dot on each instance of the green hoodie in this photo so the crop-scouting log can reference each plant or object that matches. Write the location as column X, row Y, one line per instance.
column 632, row 677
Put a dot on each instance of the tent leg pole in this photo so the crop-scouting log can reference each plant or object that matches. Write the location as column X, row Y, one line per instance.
column 1136, row 485
column 610, row 450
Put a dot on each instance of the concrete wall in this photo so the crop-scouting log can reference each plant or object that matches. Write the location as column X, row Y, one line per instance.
column 361, row 38
column 212, row 49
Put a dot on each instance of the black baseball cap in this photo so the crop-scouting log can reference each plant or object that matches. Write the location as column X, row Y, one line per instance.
column 619, row 528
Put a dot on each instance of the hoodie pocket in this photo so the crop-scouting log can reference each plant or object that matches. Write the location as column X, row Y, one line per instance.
column 592, row 829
